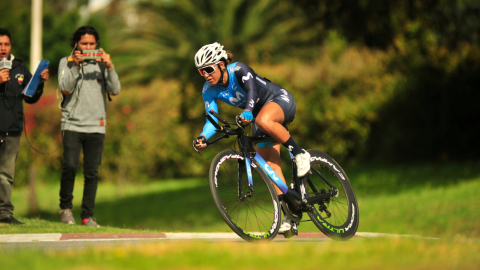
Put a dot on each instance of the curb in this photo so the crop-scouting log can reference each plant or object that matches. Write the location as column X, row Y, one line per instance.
column 85, row 237
column 52, row 237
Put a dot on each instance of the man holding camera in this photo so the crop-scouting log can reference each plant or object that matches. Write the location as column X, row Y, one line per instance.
column 86, row 78
column 14, row 77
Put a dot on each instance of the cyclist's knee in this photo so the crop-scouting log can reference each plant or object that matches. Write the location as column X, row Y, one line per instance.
column 264, row 124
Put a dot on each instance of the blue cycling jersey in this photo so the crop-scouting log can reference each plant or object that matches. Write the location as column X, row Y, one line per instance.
column 245, row 90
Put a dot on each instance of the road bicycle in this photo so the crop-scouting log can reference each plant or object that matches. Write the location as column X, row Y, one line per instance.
column 242, row 187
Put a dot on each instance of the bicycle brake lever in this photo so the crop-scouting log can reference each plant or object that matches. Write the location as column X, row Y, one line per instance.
column 238, row 121
column 240, row 124
column 196, row 150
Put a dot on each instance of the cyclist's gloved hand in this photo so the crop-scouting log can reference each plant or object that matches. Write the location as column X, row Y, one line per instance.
column 247, row 115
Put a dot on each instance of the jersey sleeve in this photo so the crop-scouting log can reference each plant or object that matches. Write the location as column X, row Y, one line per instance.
column 246, row 79
column 209, row 98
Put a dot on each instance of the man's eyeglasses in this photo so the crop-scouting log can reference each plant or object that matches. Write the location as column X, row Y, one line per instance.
column 208, row 70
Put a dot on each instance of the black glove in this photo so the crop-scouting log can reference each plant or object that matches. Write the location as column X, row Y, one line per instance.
column 201, row 139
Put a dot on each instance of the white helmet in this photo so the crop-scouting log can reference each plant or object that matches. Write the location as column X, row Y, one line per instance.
column 210, row 54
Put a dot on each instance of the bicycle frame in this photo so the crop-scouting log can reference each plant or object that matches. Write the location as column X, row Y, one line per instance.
column 246, row 145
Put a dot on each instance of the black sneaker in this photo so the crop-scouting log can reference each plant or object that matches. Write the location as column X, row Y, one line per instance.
column 11, row 220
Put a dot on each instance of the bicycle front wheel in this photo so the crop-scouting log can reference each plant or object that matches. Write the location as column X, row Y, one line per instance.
column 336, row 217
column 251, row 212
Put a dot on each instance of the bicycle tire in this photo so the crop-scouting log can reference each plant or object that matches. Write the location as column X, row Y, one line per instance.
column 253, row 218
column 344, row 219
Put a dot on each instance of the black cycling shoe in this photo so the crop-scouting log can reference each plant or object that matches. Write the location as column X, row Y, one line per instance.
column 11, row 220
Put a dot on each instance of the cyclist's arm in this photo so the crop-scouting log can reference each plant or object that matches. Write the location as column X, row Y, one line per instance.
column 210, row 101
column 246, row 79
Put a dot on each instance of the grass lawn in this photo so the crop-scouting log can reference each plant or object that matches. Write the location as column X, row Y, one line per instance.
column 435, row 200
column 368, row 254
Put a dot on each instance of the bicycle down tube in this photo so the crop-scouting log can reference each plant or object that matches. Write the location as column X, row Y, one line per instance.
column 271, row 173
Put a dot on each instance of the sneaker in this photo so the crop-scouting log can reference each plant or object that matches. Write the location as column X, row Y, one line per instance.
column 90, row 222
column 286, row 225
column 303, row 163
column 67, row 216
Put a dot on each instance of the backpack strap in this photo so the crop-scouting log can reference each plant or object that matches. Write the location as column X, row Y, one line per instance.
column 102, row 70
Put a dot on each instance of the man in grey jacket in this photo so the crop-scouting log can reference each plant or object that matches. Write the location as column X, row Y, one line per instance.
column 84, row 85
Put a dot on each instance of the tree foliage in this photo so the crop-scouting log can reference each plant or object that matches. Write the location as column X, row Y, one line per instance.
column 373, row 80
column 435, row 45
column 168, row 33
column 377, row 23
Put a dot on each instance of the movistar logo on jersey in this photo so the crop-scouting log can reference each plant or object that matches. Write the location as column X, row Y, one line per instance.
column 237, row 99
column 285, row 95
column 247, row 77
column 260, row 80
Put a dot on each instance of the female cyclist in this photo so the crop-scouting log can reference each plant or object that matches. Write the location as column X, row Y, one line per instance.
column 272, row 106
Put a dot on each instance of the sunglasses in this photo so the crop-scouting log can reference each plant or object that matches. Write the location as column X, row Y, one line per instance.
column 208, row 70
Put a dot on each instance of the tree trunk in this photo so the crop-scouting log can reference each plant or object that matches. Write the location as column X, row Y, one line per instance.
column 32, row 190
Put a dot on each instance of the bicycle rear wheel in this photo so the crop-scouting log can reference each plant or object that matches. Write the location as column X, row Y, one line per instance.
column 337, row 217
column 252, row 213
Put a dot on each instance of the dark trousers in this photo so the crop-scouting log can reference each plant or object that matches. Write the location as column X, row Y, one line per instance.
column 9, row 147
column 92, row 145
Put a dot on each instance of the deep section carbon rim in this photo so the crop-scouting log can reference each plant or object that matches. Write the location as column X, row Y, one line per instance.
column 337, row 217
column 252, row 213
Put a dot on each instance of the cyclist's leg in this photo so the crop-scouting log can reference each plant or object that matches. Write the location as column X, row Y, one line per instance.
column 270, row 120
column 271, row 154
column 275, row 115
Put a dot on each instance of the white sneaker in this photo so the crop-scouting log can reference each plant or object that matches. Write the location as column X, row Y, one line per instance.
column 303, row 163
column 286, row 225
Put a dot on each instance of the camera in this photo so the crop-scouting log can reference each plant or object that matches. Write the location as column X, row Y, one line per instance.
column 89, row 55
column 92, row 54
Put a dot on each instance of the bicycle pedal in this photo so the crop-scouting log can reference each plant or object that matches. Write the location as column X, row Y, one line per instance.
column 289, row 234
column 294, row 229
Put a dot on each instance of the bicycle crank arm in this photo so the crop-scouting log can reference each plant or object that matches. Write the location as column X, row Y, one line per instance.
column 294, row 198
column 317, row 198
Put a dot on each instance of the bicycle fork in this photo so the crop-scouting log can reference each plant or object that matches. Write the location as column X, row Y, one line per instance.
column 242, row 167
